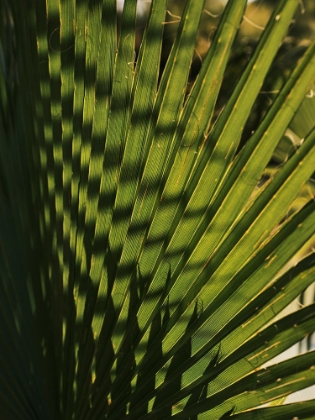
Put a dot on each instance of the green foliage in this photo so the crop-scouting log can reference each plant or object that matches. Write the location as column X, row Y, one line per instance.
column 142, row 259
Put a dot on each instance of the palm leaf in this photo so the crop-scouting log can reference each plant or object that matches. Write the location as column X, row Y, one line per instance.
column 142, row 259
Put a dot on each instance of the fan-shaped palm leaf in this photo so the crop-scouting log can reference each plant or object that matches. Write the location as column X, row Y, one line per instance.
column 141, row 268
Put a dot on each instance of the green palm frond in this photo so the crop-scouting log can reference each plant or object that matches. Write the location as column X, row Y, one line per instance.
column 144, row 260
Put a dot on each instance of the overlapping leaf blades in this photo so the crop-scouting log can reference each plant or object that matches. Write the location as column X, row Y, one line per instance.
column 142, row 285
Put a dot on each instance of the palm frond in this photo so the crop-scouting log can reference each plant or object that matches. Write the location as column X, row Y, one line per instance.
column 143, row 257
